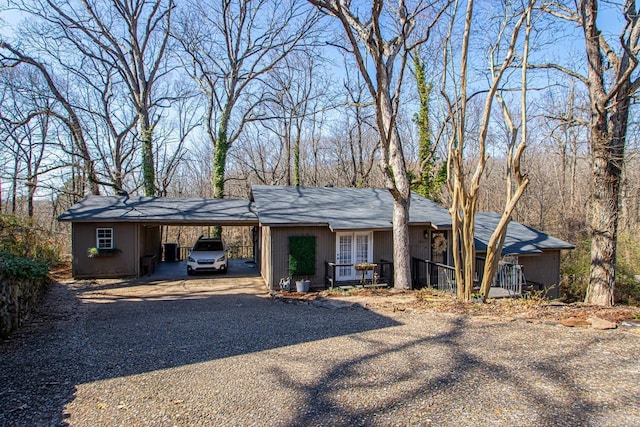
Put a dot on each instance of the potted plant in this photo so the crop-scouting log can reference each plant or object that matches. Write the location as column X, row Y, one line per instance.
column 303, row 285
column 302, row 260
column 102, row 252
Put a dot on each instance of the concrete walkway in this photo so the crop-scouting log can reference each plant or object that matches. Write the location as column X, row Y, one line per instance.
column 178, row 270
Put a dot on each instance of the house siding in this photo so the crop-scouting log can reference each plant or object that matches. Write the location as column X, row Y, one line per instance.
column 278, row 242
column 275, row 261
column 382, row 246
column 544, row 269
column 419, row 246
column 125, row 238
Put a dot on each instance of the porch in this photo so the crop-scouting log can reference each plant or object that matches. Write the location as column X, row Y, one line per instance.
column 508, row 282
column 379, row 274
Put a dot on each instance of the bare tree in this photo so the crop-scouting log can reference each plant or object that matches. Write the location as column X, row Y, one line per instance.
column 612, row 81
column 128, row 36
column 358, row 157
column 380, row 41
column 231, row 45
column 463, row 186
column 11, row 57
column 294, row 94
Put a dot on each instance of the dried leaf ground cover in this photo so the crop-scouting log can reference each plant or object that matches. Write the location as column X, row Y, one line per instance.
column 510, row 308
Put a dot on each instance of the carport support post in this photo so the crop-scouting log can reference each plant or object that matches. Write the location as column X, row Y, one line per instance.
column 136, row 250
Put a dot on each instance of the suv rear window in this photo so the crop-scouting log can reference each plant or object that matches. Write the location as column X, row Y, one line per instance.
column 211, row 245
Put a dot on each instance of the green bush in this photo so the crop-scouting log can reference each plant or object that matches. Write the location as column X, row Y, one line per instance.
column 576, row 267
column 22, row 268
column 302, row 256
column 20, row 238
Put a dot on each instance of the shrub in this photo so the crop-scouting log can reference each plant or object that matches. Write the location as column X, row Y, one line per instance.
column 20, row 238
column 22, row 268
column 302, row 256
column 576, row 267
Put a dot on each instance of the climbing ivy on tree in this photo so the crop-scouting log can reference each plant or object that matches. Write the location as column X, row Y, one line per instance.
column 431, row 179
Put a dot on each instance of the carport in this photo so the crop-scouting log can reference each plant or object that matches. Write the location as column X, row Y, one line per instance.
column 118, row 236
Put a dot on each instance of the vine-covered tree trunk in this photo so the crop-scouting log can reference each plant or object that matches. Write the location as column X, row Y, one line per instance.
column 609, row 121
column 296, row 159
column 428, row 183
column 148, row 163
column 221, row 150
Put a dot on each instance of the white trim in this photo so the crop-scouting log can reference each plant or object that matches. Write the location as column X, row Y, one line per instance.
column 351, row 257
column 104, row 238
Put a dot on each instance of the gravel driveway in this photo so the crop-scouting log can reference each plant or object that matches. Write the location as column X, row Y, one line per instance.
column 221, row 352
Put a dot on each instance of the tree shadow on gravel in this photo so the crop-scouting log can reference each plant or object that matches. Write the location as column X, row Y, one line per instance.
column 70, row 343
column 442, row 381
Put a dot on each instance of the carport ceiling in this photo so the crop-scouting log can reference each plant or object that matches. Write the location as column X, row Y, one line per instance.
column 162, row 210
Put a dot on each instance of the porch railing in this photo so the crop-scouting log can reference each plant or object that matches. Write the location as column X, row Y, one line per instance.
column 510, row 277
column 425, row 273
column 383, row 274
column 431, row 274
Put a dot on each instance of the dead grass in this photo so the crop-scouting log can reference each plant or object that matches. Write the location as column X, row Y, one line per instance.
column 534, row 308
column 61, row 273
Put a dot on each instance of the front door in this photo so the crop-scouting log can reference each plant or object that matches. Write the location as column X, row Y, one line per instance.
column 353, row 248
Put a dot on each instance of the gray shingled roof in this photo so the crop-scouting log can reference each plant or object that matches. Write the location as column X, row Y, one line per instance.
column 339, row 208
column 162, row 209
column 520, row 239
column 367, row 208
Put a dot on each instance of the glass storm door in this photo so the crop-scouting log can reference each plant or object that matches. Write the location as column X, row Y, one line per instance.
column 353, row 248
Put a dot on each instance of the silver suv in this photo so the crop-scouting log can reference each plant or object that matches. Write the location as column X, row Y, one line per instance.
column 207, row 254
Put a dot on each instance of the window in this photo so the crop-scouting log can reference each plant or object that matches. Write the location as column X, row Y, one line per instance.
column 104, row 238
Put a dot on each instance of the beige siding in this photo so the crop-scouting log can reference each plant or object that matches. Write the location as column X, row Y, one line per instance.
column 279, row 253
column 382, row 246
column 419, row 245
column 125, row 238
column 265, row 256
column 543, row 268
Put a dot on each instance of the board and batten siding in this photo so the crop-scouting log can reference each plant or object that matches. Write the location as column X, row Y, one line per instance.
column 543, row 268
column 419, row 246
column 277, row 240
column 125, row 238
column 382, row 245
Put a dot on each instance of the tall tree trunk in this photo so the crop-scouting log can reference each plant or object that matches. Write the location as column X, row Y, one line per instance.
column 220, row 156
column 609, row 121
column 608, row 141
column 148, row 163
column 394, row 167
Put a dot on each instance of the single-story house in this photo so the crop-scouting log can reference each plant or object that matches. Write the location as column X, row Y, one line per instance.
column 124, row 231
column 349, row 229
